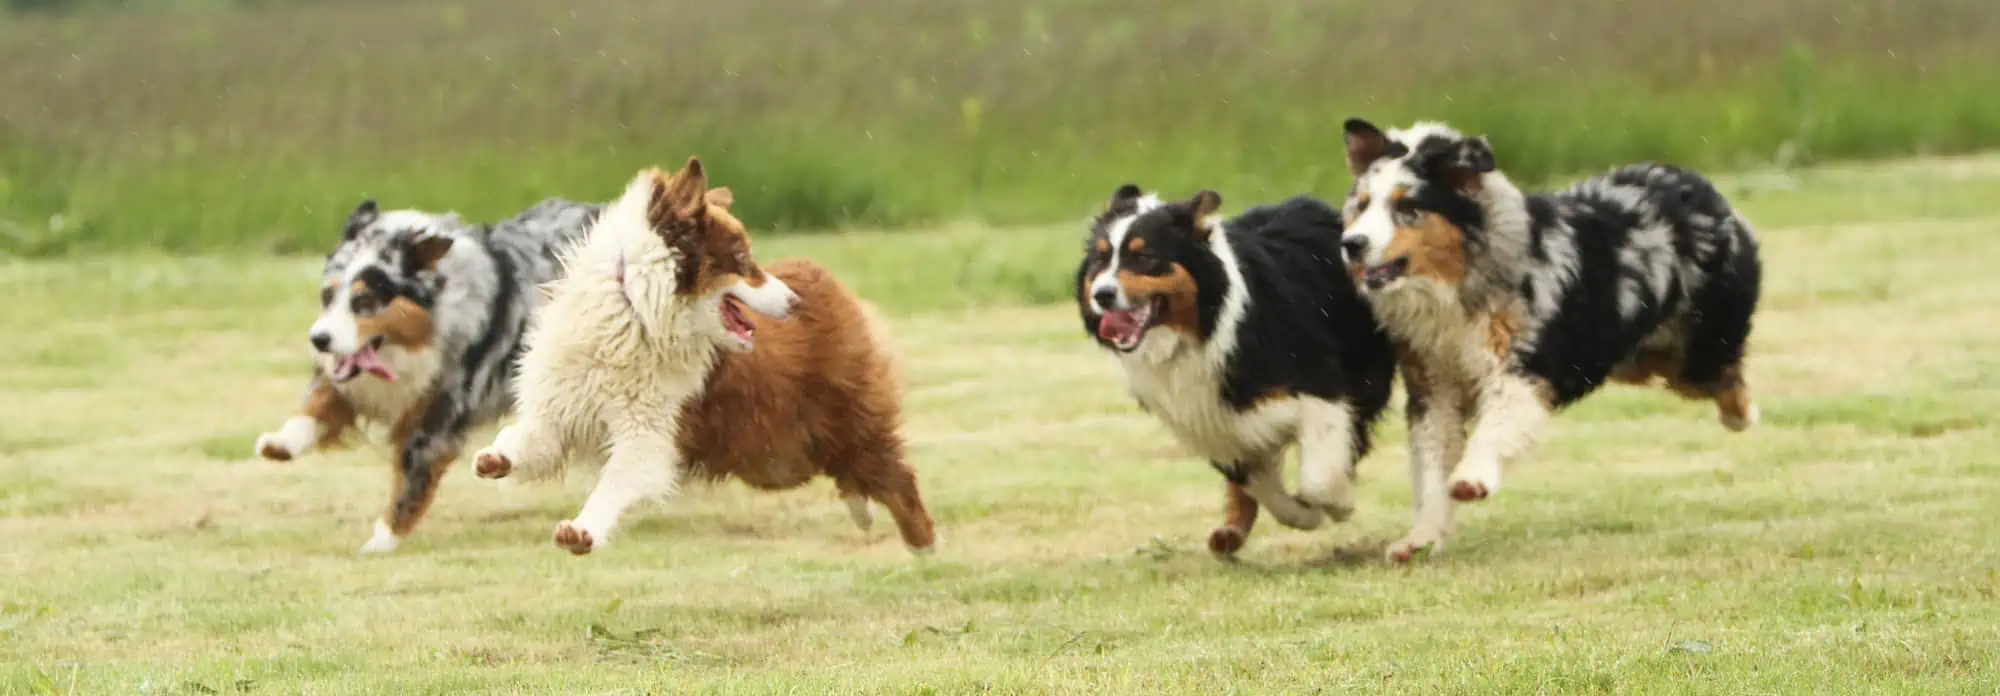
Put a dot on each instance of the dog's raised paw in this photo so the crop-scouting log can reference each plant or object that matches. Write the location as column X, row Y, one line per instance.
column 576, row 539
column 491, row 465
column 1466, row 491
column 270, row 448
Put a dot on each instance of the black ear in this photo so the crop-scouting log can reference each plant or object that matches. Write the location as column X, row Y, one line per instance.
column 1124, row 201
column 1458, row 162
column 361, row 217
column 1365, row 144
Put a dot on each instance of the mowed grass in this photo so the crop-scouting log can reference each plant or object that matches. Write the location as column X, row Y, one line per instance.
column 1845, row 546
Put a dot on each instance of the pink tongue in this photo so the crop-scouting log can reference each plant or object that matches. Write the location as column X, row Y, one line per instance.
column 1115, row 326
column 368, row 362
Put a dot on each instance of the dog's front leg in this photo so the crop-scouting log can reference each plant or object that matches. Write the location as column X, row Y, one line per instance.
column 1263, row 480
column 1512, row 412
column 425, row 448
column 1327, row 451
column 643, row 464
column 1437, row 437
column 324, row 415
column 1237, row 519
column 531, row 446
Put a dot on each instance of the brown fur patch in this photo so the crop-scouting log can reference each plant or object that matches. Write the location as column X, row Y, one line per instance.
column 1103, row 246
column 1238, row 518
column 330, row 410
column 1500, row 329
column 816, row 395
column 1183, row 311
column 1435, row 248
column 400, row 323
column 1135, row 246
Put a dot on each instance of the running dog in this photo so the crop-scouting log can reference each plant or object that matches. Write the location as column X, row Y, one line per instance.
column 1244, row 337
column 647, row 363
column 421, row 318
column 1509, row 307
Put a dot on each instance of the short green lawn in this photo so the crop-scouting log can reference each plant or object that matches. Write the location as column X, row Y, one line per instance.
column 1847, row 545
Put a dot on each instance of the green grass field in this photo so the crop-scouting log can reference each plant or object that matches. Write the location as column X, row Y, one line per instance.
column 218, row 131
column 1845, row 546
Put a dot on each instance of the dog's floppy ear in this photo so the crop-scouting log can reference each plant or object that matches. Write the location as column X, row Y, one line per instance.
column 1458, row 162
column 720, row 197
column 1203, row 206
column 359, row 219
column 426, row 248
column 1365, row 144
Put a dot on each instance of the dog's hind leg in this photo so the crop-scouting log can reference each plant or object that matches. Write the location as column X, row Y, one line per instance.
column 1327, row 452
column 323, row 418
column 1718, row 336
column 425, row 450
column 644, row 463
column 870, row 463
column 1238, row 518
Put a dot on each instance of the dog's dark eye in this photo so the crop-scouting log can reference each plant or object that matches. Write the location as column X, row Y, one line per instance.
column 364, row 304
column 325, row 296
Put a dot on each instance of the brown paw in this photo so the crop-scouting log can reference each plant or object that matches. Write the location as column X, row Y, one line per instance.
column 1408, row 549
column 1226, row 541
column 574, row 538
column 1468, row 491
column 274, row 452
column 493, row 465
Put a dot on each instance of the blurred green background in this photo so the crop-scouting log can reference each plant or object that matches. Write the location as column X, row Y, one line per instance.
column 211, row 125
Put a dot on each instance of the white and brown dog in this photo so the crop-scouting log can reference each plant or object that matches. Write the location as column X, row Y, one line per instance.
column 646, row 358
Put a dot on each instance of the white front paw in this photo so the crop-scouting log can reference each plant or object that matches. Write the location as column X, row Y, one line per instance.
column 383, row 541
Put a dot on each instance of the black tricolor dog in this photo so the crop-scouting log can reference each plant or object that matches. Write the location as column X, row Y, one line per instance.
column 1243, row 336
column 1508, row 307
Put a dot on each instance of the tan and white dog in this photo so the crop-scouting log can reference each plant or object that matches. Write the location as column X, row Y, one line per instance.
column 644, row 357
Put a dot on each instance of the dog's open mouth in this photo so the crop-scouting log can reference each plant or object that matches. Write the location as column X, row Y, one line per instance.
column 1125, row 329
column 739, row 326
column 1381, row 275
column 348, row 367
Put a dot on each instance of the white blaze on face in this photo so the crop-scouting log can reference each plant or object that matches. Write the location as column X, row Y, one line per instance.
column 336, row 320
column 773, row 299
column 1375, row 225
column 1107, row 279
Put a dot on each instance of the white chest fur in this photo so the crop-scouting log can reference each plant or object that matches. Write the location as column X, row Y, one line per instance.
column 1184, row 391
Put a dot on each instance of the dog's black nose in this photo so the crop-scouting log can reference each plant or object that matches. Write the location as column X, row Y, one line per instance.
column 1105, row 297
column 321, row 341
column 1354, row 247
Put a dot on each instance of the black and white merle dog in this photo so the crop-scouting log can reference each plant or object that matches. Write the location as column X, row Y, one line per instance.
column 1244, row 337
column 1508, row 307
column 420, row 324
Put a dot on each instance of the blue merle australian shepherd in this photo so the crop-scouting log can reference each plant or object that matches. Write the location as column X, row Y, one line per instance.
column 1507, row 307
column 1244, row 337
column 420, row 323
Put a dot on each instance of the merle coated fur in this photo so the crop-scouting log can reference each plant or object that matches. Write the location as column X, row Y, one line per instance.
column 1258, row 343
column 1509, row 307
column 455, row 300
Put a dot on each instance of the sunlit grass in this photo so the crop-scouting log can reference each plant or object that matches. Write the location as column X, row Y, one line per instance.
column 1844, row 546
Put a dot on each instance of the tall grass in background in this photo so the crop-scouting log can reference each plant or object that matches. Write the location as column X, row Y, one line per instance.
column 259, row 128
